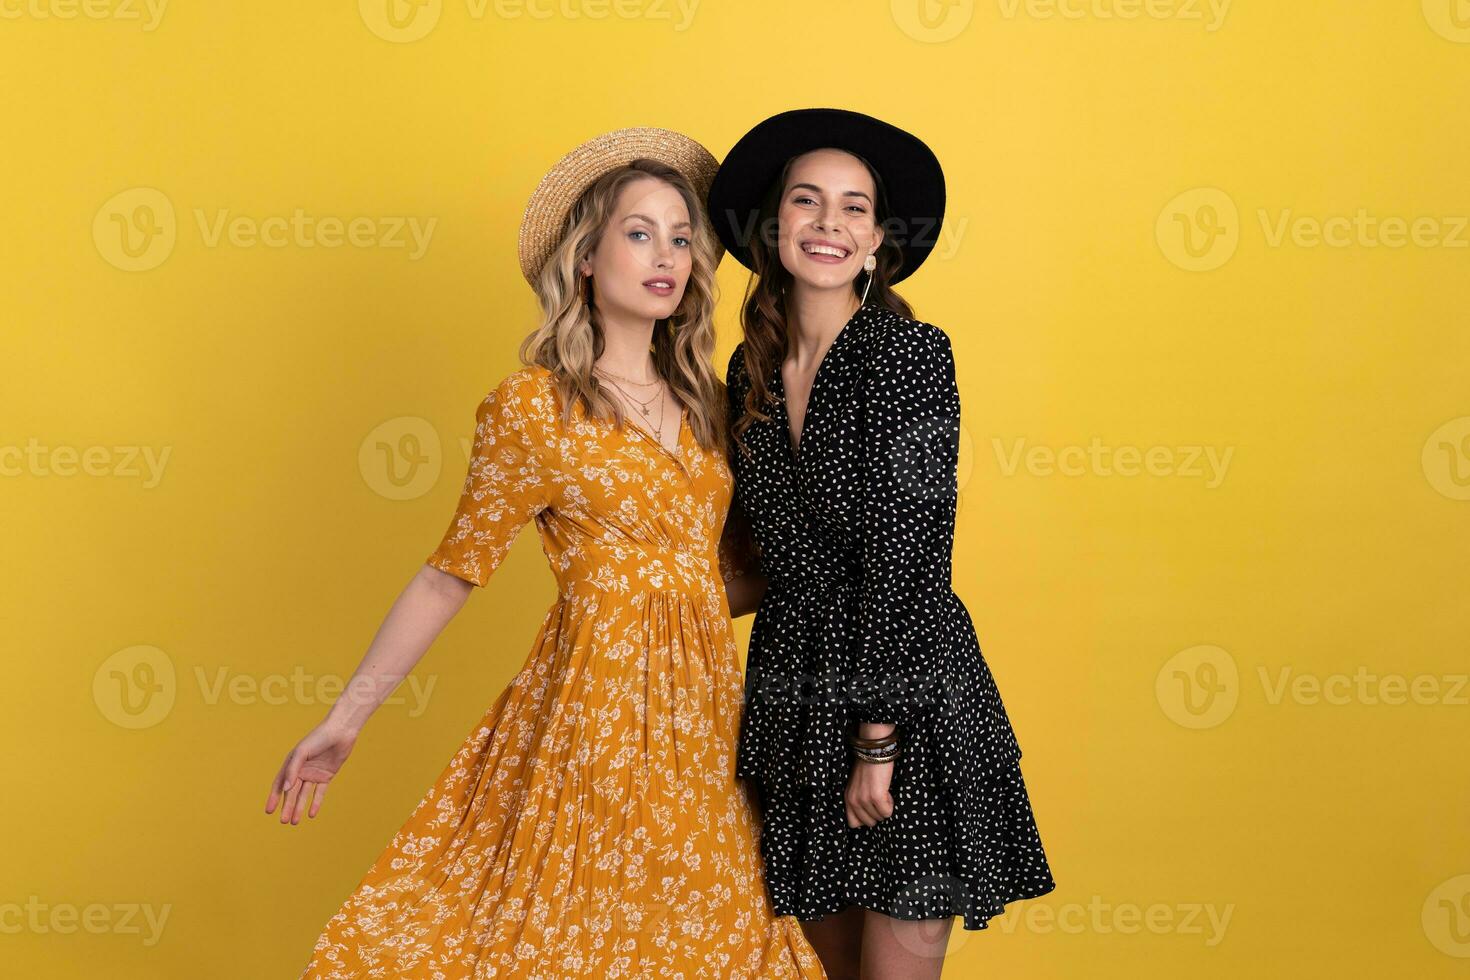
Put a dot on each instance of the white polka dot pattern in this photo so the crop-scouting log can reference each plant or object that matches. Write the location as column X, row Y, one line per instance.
column 860, row 623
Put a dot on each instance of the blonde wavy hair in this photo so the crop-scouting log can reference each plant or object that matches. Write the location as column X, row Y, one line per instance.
column 569, row 339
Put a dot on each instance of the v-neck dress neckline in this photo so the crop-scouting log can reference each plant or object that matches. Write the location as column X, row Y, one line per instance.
column 778, row 388
column 677, row 453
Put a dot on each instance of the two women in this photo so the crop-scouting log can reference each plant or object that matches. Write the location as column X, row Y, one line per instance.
column 592, row 823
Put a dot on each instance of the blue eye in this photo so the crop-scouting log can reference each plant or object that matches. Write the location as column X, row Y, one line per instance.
column 681, row 242
column 633, row 233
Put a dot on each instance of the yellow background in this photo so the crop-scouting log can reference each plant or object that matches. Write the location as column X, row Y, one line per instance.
column 1139, row 625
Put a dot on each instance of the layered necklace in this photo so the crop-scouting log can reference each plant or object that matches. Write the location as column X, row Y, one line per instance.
column 643, row 405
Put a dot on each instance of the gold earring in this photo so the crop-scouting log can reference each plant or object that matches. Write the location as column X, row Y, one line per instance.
column 869, row 264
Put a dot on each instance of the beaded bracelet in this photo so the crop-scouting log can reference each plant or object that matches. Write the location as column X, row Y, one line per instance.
column 877, row 755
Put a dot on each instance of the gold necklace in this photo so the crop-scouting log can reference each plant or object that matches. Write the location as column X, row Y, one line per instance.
column 644, row 407
column 641, row 384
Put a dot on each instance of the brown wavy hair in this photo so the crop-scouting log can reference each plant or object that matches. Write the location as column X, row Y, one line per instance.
column 569, row 339
column 763, row 310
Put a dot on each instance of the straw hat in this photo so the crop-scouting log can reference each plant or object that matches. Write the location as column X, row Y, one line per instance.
column 546, row 214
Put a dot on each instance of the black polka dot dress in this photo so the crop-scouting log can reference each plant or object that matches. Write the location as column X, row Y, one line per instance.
column 859, row 623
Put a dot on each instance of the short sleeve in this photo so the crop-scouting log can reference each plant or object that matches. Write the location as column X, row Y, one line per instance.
column 910, row 446
column 508, row 483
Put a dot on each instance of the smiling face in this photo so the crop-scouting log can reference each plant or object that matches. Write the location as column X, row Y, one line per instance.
column 826, row 219
column 640, row 263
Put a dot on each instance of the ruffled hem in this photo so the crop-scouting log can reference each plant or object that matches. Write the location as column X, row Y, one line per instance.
column 937, row 857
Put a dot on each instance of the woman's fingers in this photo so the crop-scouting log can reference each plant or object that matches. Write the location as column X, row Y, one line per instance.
column 280, row 784
column 316, row 802
column 884, row 806
column 302, row 799
column 292, row 790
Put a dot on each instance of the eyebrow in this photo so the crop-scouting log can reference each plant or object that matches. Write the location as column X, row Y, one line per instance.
column 644, row 217
column 814, row 187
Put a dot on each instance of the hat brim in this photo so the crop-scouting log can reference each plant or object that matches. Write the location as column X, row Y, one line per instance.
column 911, row 175
column 545, row 219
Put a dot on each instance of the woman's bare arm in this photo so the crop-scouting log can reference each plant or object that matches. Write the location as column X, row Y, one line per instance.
column 414, row 621
column 416, row 618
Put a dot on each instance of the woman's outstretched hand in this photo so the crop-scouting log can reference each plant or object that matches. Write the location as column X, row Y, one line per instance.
column 310, row 765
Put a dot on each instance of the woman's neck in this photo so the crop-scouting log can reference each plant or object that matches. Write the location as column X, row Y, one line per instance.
column 625, row 348
column 814, row 318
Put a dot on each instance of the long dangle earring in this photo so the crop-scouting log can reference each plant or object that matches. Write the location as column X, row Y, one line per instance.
column 869, row 264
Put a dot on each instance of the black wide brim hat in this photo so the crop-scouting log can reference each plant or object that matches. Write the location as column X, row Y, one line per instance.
column 913, row 181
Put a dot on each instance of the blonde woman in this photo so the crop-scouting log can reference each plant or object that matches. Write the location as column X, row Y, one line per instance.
column 590, row 824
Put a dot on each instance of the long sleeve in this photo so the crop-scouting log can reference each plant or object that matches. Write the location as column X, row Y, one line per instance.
column 910, row 453
column 738, row 551
column 508, row 482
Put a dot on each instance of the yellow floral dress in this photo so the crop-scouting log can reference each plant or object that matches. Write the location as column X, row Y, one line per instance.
column 591, row 824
